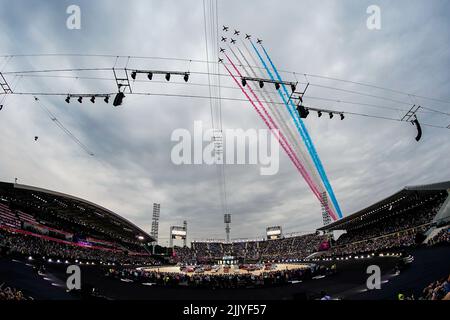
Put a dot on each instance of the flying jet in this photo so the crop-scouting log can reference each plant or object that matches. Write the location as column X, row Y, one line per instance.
column 222, row 50
column 259, row 41
column 224, row 28
column 236, row 32
column 220, row 60
column 224, row 39
column 247, row 36
column 233, row 41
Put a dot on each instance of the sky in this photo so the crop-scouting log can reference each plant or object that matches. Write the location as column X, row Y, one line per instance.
column 366, row 159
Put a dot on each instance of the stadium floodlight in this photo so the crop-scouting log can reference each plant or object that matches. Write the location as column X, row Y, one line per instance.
column 244, row 82
column 168, row 76
column 106, row 99
column 80, row 99
column 186, row 77
column 342, row 116
column 68, row 99
column 150, row 76
column 133, row 75
column 331, row 115
column 261, row 84
column 93, row 99
column 319, row 113
column 277, row 85
column 302, row 111
column 293, row 87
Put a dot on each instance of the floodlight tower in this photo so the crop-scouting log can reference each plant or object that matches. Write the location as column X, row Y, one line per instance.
column 227, row 220
column 325, row 215
column 155, row 221
column 155, row 224
column 185, row 229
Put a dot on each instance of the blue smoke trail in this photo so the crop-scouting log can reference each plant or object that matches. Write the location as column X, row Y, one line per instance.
column 301, row 128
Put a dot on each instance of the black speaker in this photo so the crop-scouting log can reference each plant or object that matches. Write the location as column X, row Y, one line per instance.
column 419, row 129
column 118, row 99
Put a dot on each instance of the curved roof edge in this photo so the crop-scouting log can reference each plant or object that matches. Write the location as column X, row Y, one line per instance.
column 64, row 195
column 445, row 185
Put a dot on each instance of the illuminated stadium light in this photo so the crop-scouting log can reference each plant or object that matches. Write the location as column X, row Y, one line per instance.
column 30, row 258
column 186, row 77
column 244, row 82
column 331, row 115
column 67, row 99
column 58, row 261
column 319, row 113
column 342, row 116
column 261, row 84
column 93, row 99
column 49, row 260
column 80, row 99
column 277, row 85
column 150, row 76
column 168, row 76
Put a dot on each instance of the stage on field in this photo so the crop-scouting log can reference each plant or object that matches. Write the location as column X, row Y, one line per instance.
column 220, row 270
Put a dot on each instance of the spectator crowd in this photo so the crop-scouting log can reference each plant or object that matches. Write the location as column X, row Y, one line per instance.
column 28, row 245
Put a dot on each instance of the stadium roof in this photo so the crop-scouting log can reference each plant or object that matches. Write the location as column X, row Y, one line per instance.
column 80, row 210
column 383, row 207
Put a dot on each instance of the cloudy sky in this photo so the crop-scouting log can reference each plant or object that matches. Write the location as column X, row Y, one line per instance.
column 366, row 159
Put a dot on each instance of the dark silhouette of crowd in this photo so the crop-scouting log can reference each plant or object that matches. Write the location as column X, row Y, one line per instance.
column 438, row 290
column 11, row 294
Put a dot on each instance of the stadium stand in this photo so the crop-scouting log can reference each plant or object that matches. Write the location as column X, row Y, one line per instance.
column 42, row 223
column 402, row 220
